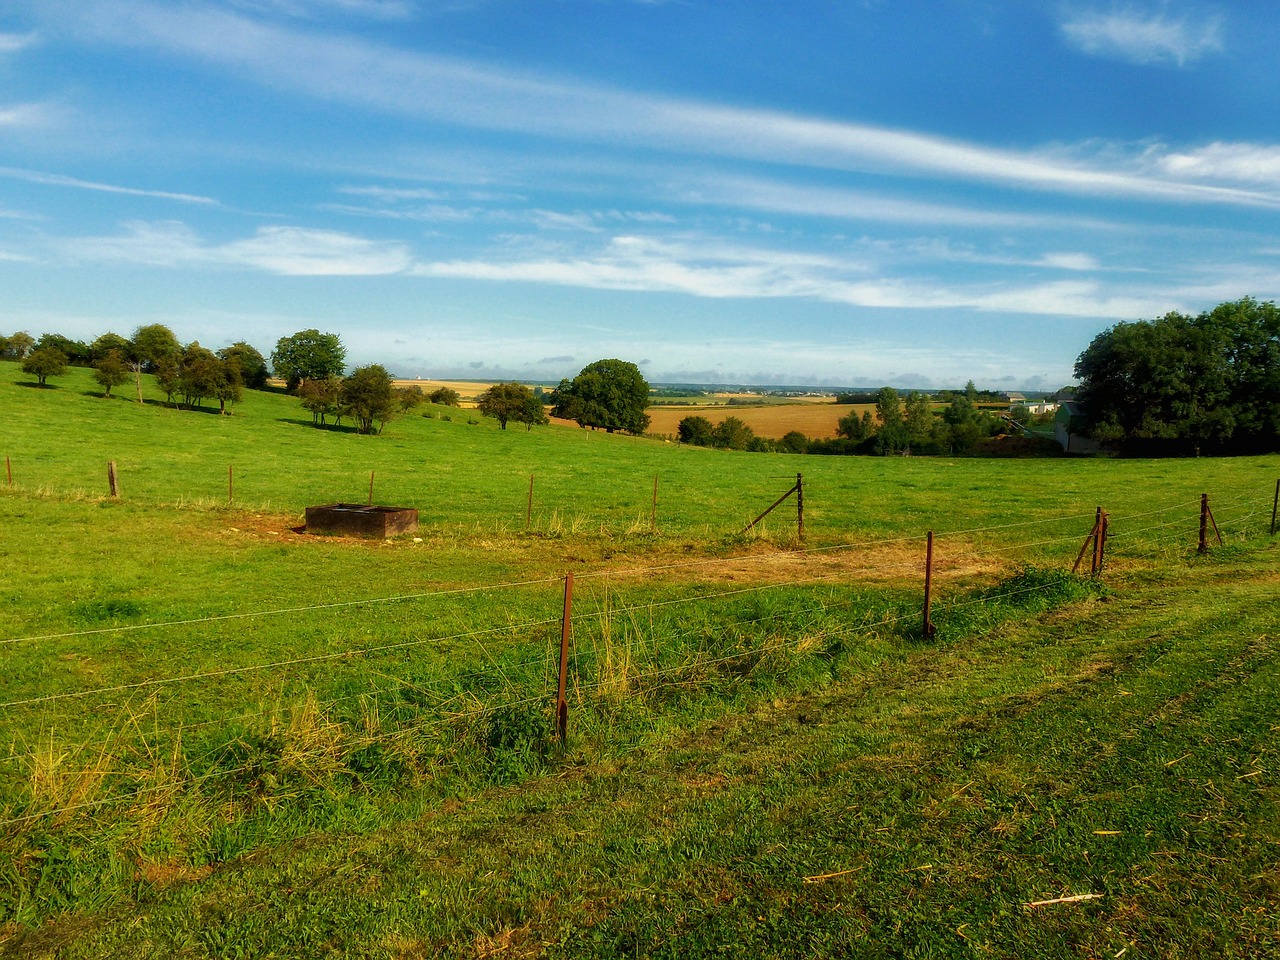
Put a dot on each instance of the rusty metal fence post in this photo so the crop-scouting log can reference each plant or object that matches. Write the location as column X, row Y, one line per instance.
column 371, row 488
column 231, row 483
column 8, row 469
column 1274, row 503
column 112, row 482
column 566, row 630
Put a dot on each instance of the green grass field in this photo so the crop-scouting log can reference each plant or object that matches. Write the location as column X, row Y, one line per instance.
column 228, row 738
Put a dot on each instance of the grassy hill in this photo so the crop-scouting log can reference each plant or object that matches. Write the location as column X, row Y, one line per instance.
column 230, row 738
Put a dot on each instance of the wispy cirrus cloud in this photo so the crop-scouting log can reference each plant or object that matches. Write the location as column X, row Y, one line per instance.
column 710, row 270
column 285, row 251
column 1143, row 37
column 60, row 180
column 310, row 9
column 387, row 79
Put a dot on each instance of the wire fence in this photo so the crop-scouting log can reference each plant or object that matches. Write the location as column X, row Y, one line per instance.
column 710, row 623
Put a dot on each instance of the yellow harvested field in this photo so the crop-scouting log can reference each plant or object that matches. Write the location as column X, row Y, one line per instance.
column 468, row 390
column 817, row 421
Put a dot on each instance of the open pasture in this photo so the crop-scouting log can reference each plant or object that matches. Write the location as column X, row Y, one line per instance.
column 188, row 681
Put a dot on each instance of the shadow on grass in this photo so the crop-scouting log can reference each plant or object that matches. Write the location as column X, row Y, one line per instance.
column 332, row 428
column 35, row 386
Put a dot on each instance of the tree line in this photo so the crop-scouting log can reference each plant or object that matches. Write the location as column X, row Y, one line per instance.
column 900, row 425
column 608, row 394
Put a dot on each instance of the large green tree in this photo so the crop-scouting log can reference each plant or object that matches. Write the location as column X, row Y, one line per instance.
column 110, row 371
column 696, row 431
column 891, row 436
column 1180, row 384
column 308, row 355
column 511, row 401
column 16, row 345
column 154, row 349
column 366, row 397
column 45, row 362
column 252, row 364
column 76, row 351
column 611, row 394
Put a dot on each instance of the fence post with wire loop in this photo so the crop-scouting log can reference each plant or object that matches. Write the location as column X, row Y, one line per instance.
column 928, row 628
column 566, row 630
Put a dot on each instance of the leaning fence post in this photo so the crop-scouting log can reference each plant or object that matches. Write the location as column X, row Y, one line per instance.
column 1097, row 526
column 1204, row 523
column 231, row 483
column 112, row 483
column 8, row 469
column 371, row 472
column 929, row 629
column 566, row 629
column 1274, row 503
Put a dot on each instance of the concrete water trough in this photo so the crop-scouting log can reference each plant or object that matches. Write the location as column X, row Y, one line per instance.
column 359, row 520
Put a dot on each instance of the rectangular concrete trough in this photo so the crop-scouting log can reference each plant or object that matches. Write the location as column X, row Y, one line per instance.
column 358, row 520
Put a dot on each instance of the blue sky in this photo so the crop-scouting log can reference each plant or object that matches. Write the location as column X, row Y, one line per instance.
column 795, row 191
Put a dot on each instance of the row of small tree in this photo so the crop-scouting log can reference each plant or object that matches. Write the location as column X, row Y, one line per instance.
column 192, row 373
column 900, row 425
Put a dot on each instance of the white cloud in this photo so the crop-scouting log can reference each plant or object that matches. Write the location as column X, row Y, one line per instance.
column 13, row 42
column 312, row 9
column 24, row 115
column 294, row 251
column 387, row 79
column 286, row 251
column 1143, row 38
column 1241, row 162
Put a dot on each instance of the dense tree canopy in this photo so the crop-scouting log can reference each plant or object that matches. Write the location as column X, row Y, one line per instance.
column 608, row 393
column 153, row 343
column 696, row 431
column 252, row 364
column 366, row 397
column 110, row 370
column 76, row 351
column 445, row 397
column 1182, row 384
column 16, row 345
column 45, row 362
column 512, row 401
column 308, row 355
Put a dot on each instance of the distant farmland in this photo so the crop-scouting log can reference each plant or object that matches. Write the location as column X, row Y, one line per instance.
column 817, row 421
